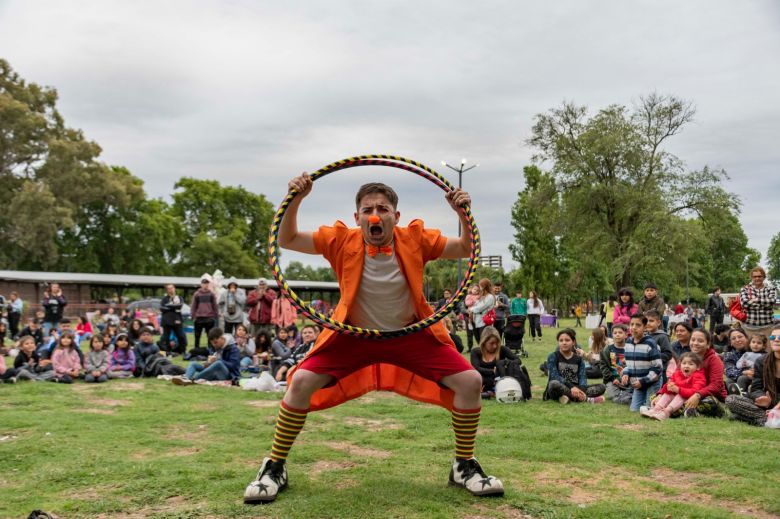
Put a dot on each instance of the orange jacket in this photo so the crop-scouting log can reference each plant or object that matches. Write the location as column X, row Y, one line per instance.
column 344, row 249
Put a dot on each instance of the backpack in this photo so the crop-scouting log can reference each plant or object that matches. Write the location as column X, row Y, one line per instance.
column 159, row 365
column 516, row 370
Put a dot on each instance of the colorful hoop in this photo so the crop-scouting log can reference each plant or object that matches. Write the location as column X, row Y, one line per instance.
column 373, row 160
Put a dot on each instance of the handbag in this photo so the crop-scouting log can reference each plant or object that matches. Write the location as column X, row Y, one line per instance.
column 490, row 317
column 736, row 310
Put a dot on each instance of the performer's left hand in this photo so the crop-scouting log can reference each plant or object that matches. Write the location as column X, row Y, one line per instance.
column 457, row 198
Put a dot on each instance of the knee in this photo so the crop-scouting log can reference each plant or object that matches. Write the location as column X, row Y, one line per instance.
column 470, row 382
column 305, row 383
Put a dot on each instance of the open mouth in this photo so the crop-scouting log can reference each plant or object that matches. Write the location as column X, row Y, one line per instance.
column 375, row 230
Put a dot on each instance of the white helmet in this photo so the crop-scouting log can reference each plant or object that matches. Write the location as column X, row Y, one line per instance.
column 508, row 390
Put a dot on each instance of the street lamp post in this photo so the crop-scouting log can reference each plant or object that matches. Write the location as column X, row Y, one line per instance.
column 460, row 170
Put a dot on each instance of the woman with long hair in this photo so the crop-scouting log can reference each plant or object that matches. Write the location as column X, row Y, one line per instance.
column 764, row 393
column 535, row 311
column 485, row 359
column 484, row 304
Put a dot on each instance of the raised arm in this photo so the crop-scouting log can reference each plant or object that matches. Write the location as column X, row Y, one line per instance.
column 289, row 235
column 458, row 247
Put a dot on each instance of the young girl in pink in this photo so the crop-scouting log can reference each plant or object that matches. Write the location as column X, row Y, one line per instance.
column 66, row 360
column 685, row 382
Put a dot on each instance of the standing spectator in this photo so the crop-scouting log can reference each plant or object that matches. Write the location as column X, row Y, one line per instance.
column 204, row 310
column 535, row 311
column 446, row 295
column 231, row 305
column 283, row 313
column 518, row 305
column 15, row 309
column 172, row 320
column 54, row 304
column 260, row 302
column 608, row 312
column 716, row 309
column 502, row 307
column 651, row 300
column 625, row 307
column 577, row 311
column 679, row 308
column 758, row 299
column 485, row 303
column 668, row 313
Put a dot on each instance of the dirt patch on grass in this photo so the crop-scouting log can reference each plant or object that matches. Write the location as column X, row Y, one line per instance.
column 356, row 450
column 328, row 466
column 187, row 432
column 682, row 487
column 110, row 402
column 377, row 395
column 372, row 425
column 182, row 451
column 503, row 511
column 95, row 410
column 182, row 506
column 631, row 427
column 142, row 454
column 127, row 386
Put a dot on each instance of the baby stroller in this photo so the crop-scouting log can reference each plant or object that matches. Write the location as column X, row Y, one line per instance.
column 514, row 331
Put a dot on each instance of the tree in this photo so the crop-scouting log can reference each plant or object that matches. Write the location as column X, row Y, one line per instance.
column 213, row 215
column 773, row 258
column 619, row 188
column 300, row 272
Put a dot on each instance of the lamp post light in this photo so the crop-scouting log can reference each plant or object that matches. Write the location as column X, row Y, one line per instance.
column 461, row 169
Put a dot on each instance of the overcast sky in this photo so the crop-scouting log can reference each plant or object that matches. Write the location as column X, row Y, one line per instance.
column 254, row 92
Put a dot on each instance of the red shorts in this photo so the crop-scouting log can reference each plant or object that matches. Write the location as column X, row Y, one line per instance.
column 419, row 353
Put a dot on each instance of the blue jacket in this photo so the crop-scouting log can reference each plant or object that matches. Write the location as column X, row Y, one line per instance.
column 231, row 357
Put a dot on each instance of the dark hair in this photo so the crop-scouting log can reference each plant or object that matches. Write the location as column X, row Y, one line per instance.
column 567, row 331
column 376, row 187
column 612, row 298
column 620, row 326
column 705, row 333
column 64, row 321
column 242, row 325
column 72, row 339
column 715, row 289
column 83, row 319
column 693, row 357
column 97, row 336
column 215, row 333
column 720, row 328
column 764, row 340
column 625, row 291
column 313, row 327
column 653, row 314
column 770, row 372
column 640, row 317
column 265, row 335
column 684, row 325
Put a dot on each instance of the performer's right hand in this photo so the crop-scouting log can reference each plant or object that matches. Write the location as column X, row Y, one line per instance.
column 302, row 184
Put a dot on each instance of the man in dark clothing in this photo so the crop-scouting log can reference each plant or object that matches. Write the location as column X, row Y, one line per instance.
column 260, row 301
column 651, row 301
column 204, row 310
column 716, row 309
column 171, row 321
column 446, row 295
column 501, row 308
column 54, row 304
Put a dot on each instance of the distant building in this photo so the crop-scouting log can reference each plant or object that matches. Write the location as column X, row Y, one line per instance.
column 491, row 261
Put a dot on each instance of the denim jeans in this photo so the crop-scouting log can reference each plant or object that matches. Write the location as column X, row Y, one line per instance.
column 642, row 395
column 216, row 371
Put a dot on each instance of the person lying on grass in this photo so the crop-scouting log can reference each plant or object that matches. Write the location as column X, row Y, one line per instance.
column 567, row 379
column 379, row 266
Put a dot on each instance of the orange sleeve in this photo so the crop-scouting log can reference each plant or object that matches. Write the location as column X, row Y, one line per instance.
column 431, row 240
column 328, row 240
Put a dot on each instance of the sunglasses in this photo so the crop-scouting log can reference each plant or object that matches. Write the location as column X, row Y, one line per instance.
column 774, row 337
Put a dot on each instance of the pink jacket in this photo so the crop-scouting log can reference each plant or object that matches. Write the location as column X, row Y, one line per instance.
column 65, row 361
column 622, row 314
column 2, row 365
column 283, row 313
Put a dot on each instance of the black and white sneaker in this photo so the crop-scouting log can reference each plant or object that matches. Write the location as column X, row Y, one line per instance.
column 271, row 479
column 733, row 389
column 469, row 475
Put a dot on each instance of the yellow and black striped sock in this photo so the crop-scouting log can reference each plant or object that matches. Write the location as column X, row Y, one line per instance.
column 465, row 423
column 289, row 423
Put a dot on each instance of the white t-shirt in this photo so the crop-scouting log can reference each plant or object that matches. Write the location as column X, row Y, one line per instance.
column 383, row 300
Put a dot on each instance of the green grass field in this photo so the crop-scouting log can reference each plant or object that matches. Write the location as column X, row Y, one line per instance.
column 147, row 448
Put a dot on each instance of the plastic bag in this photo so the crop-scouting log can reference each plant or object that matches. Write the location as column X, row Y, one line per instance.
column 773, row 419
column 264, row 382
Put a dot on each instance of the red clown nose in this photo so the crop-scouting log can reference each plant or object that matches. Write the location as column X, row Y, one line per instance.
column 373, row 219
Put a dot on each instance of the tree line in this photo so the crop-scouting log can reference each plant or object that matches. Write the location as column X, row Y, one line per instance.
column 604, row 205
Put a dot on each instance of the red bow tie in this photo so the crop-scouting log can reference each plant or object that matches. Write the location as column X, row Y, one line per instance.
column 373, row 251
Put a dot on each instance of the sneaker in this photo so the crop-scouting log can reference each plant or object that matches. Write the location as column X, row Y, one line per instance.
column 691, row 413
column 469, row 475
column 596, row 399
column 182, row 381
column 733, row 389
column 563, row 399
column 660, row 415
column 647, row 412
column 271, row 479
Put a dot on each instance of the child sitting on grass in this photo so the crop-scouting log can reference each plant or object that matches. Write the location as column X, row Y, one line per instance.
column 246, row 347
column 567, row 380
column 685, row 382
column 122, row 361
column 96, row 362
column 613, row 360
column 643, row 364
column 7, row 375
column 655, row 330
column 747, row 362
column 66, row 361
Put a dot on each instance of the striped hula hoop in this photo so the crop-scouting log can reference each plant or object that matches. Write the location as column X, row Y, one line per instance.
column 327, row 322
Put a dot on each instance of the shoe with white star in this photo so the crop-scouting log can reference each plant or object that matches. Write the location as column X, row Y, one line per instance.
column 271, row 479
column 469, row 475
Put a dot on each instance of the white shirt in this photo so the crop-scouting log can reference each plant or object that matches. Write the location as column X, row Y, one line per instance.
column 383, row 300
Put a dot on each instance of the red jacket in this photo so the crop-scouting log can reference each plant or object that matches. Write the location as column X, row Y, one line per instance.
column 687, row 386
column 260, row 305
column 713, row 371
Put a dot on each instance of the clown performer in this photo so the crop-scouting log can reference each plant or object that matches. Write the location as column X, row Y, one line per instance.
column 379, row 267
